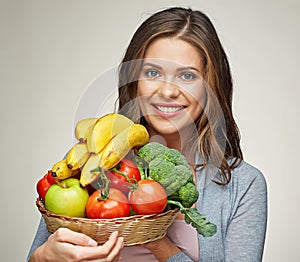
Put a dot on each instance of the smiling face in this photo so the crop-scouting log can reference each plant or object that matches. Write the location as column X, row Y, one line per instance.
column 171, row 87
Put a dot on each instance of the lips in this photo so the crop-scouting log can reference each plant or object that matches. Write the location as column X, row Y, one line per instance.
column 168, row 109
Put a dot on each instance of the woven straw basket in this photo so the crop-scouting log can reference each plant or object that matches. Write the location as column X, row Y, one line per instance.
column 136, row 229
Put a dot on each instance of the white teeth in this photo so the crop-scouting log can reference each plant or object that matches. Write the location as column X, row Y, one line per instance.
column 166, row 109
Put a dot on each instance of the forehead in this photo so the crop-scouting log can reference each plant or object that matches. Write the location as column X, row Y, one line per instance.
column 174, row 50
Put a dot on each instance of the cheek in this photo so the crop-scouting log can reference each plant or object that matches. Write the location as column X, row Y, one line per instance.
column 201, row 97
column 198, row 97
column 142, row 95
column 140, row 89
column 145, row 91
column 145, row 88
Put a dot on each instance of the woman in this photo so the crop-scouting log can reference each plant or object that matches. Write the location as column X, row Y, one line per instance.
column 180, row 48
column 175, row 79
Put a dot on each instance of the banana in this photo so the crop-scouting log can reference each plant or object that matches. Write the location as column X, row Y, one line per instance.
column 87, row 176
column 103, row 143
column 61, row 171
column 105, row 129
column 82, row 128
column 114, row 152
column 77, row 156
column 121, row 144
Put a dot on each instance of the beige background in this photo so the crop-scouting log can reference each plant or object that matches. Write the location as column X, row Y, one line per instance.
column 50, row 52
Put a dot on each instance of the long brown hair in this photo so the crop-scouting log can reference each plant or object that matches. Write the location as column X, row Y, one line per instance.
column 217, row 143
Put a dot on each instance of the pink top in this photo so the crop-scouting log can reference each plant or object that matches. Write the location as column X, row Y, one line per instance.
column 180, row 233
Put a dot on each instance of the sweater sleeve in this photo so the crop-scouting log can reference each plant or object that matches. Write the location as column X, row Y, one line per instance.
column 41, row 237
column 246, row 230
column 179, row 257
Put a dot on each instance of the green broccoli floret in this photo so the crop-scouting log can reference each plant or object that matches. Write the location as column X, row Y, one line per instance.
column 151, row 150
column 160, row 168
column 177, row 178
column 188, row 194
column 174, row 156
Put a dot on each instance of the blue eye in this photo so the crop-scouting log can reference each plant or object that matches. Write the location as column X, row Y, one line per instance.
column 188, row 76
column 152, row 74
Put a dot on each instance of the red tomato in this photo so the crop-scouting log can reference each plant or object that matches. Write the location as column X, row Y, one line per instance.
column 116, row 205
column 44, row 183
column 149, row 198
column 118, row 181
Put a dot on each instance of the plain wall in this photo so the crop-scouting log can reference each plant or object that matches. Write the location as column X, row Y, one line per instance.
column 51, row 51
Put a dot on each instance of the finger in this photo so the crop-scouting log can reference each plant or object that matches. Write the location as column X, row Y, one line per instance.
column 114, row 255
column 115, row 252
column 112, row 241
column 109, row 251
column 75, row 238
column 113, row 236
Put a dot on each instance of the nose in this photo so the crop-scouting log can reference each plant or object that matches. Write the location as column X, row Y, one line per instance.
column 168, row 89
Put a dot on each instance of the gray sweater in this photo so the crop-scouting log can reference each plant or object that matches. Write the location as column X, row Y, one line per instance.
column 239, row 210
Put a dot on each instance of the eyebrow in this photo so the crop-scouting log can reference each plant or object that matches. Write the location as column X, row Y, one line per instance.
column 188, row 67
column 177, row 69
column 152, row 65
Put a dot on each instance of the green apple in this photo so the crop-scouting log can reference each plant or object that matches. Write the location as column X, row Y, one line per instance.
column 67, row 198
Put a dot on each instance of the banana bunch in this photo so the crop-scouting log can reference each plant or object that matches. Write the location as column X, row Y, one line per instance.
column 102, row 143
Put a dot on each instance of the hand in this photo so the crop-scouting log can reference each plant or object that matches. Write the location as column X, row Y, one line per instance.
column 162, row 249
column 67, row 245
